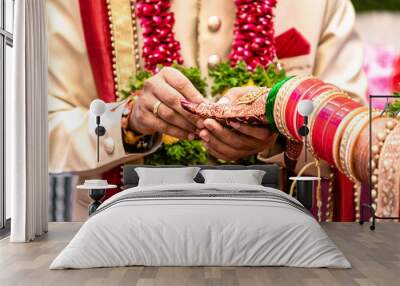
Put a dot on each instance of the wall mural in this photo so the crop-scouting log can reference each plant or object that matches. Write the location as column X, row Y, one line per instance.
column 121, row 52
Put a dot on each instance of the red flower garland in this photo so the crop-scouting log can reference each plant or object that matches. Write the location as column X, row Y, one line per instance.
column 253, row 34
column 159, row 44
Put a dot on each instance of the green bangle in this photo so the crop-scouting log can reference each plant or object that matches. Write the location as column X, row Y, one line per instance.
column 269, row 105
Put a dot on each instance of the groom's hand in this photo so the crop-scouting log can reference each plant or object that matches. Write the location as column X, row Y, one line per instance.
column 158, row 109
column 240, row 141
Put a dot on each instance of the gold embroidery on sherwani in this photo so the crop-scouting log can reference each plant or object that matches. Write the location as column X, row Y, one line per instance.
column 122, row 40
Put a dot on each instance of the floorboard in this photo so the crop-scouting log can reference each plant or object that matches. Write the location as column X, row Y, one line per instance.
column 374, row 255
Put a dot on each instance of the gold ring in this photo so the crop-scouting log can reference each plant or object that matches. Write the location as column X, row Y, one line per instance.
column 156, row 108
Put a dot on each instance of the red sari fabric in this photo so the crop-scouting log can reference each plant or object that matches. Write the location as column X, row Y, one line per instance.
column 98, row 44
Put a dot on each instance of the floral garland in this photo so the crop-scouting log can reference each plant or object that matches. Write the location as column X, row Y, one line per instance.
column 251, row 59
column 159, row 44
column 253, row 33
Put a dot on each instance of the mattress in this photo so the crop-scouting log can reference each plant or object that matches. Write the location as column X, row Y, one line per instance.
column 201, row 225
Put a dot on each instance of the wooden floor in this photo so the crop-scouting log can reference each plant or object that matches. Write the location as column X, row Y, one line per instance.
column 375, row 257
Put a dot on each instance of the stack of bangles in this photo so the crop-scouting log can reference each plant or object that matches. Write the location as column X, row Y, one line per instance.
column 339, row 134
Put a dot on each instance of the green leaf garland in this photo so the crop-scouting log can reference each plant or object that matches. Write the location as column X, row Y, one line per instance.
column 394, row 107
column 183, row 152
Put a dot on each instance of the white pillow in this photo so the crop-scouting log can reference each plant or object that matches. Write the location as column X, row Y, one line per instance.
column 166, row 176
column 248, row 177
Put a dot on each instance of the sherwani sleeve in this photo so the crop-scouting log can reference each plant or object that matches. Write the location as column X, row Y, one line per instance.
column 339, row 56
column 72, row 141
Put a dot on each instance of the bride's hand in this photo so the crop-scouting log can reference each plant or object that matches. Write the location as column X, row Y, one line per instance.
column 240, row 141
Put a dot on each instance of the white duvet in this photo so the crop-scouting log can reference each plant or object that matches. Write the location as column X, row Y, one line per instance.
column 188, row 231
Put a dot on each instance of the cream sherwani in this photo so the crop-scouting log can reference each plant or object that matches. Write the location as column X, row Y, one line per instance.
column 336, row 57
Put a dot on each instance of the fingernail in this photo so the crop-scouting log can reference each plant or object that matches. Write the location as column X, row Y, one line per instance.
column 208, row 123
column 187, row 105
column 191, row 136
column 235, row 125
column 185, row 102
column 204, row 136
column 200, row 124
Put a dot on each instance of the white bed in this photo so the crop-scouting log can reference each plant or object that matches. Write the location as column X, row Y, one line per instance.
column 222, row 225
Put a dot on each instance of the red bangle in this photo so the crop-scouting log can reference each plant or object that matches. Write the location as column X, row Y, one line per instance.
column 332, row 126
column 298, row 120
column 321, row 122
column 300, row 91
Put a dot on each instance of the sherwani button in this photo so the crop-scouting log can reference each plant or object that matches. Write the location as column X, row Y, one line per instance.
column 109, row 145
column 213, row 60
column 214, row 23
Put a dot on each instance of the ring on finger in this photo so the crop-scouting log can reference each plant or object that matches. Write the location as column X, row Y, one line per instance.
column 156, row 107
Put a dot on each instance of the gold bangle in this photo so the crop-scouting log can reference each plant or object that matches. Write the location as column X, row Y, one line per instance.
column 129, row 137
column 278, row 103
column 339, row 132
column 351, row 144
column 281, row 101
column 288, row 92
column 345, row 138
column 345, row 143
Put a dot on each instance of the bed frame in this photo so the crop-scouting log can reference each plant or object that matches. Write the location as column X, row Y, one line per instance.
column 272, row 177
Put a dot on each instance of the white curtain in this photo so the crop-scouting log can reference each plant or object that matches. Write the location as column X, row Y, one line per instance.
column 26, row 121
